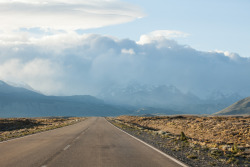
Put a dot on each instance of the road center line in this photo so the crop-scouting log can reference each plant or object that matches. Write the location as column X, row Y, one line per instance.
column 65, row 148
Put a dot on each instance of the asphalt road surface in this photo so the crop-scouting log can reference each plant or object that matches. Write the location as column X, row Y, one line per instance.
column 91, row 143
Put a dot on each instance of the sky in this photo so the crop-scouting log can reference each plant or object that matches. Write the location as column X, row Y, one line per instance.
column 211, row 25
column 64, row 47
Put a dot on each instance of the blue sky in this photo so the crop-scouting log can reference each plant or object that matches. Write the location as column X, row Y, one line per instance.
column 212, row 25
column 64, row 47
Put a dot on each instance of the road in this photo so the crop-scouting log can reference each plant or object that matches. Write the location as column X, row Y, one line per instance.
column 90, row 143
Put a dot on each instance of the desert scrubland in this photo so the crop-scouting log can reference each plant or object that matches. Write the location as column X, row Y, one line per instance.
column 18, row 127
column 215, row 140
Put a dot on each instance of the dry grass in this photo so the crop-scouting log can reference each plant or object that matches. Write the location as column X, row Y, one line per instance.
column 213, row 141
column 18, row 127
column 208, row 131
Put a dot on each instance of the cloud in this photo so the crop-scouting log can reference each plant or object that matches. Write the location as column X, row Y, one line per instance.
column 70, row 63
column 234, row 56
column 161, row 35
column 37, row 72
column 128, row 51
column 65, row 15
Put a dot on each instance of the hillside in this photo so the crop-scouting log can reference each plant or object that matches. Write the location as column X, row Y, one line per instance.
column 21, row 102
column 241, row 107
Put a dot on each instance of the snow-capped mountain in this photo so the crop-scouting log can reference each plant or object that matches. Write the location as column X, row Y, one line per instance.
column 223, row 97
column 133, row 99
column 167, row 96
column 148, row 95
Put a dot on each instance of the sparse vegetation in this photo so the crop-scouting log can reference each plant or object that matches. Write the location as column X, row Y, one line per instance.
column 198, row 141
column 183, row 137
column 18, row 127
column 192, row 156
column 235, row 148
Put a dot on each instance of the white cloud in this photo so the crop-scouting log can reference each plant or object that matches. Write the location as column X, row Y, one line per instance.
column 234, row 56
column 40, row 73
column 85, row 64
column 128, row 51
column 65, row 15
column 161, row 35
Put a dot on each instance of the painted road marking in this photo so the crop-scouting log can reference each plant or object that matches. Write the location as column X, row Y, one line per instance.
column 159, row 151
column 65, row 148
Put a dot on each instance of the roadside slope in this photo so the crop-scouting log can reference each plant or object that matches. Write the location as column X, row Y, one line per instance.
column 241, row 107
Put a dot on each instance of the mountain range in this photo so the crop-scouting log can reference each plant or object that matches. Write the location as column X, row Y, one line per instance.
column 21, row 102
column 134, row 99
column 167, row 97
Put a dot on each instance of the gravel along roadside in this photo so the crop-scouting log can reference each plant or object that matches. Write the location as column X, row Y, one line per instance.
column 180, row 147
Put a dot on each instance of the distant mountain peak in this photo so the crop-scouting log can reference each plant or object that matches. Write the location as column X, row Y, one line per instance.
column 6, row 88
column 2, row 82
column 147, row 95
column 21, row 102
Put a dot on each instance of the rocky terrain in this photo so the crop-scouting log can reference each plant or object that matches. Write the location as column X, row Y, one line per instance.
column 198, row 141
column 18, row 127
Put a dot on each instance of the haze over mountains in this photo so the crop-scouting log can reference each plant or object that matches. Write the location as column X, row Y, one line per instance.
column 138, row 55
column 134, row 99
column 152, row 75
column 167, row 97
column 21, row 102
column 70, row 64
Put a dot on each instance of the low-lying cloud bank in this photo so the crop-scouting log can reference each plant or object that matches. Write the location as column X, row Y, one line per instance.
column 86, row 64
